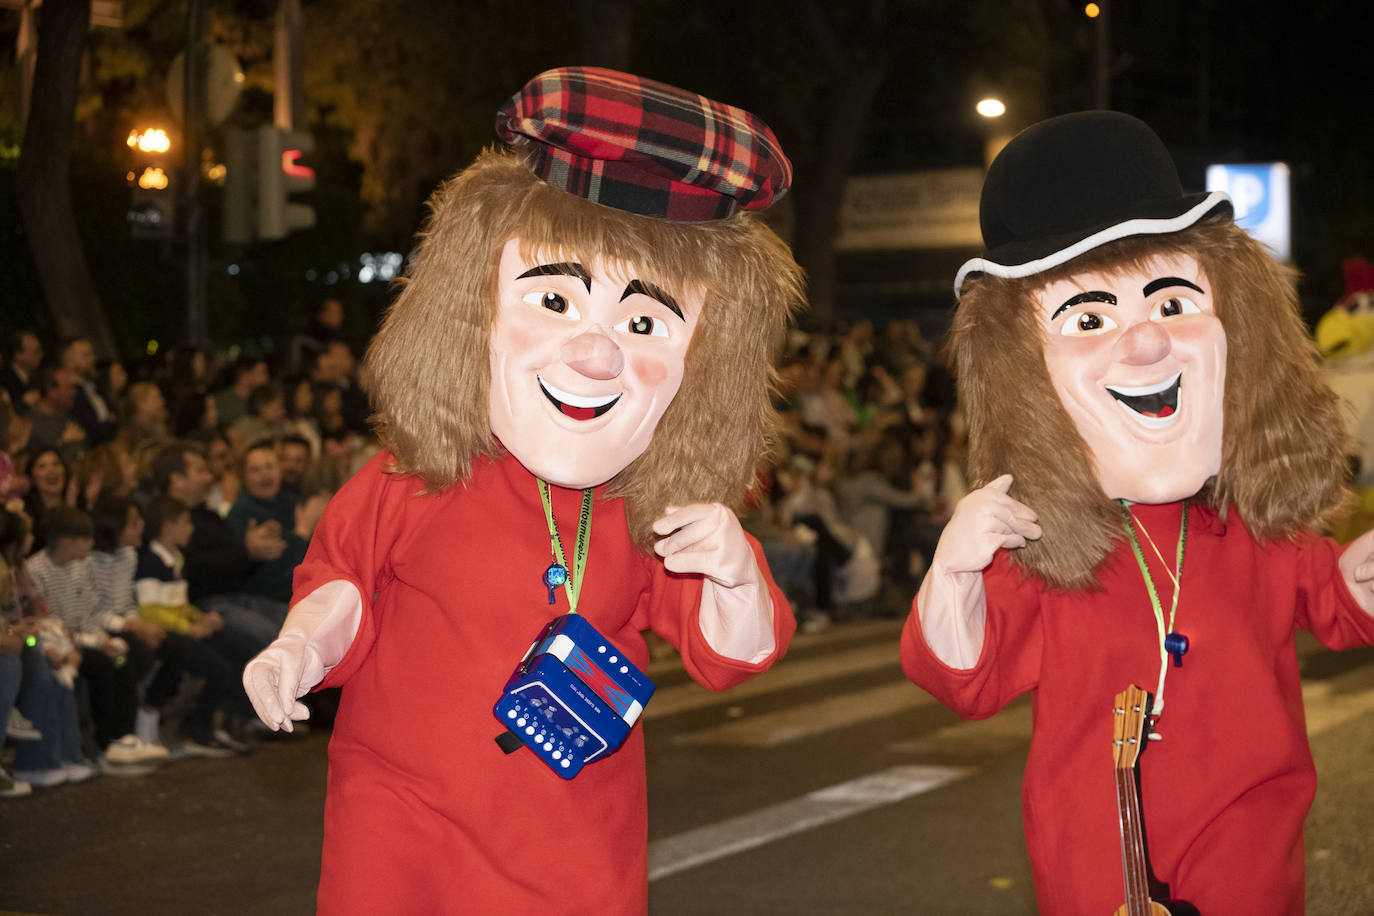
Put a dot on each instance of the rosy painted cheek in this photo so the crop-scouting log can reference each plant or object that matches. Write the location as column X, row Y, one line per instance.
column 520, row 340
column 649, row 373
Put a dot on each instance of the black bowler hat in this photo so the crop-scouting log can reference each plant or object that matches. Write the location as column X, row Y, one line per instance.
column 1069, row 184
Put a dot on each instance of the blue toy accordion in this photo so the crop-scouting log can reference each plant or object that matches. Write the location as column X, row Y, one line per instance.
column 573, row 698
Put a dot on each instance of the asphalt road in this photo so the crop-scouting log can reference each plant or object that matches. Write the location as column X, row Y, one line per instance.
column 829, row 786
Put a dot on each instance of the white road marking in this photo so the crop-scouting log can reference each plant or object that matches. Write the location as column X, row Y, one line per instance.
column 786, row 674
column 673, row 854
column 809, row 719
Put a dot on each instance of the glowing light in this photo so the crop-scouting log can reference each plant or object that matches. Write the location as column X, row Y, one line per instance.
column 151, row 349
column 153, row 179
column 291, row 166
column 149, row 140
column 379, row 267
column 991, row 108
column 1092, row 11
column 217, row 172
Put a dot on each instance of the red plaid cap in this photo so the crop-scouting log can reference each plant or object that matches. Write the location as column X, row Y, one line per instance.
column 644, row 147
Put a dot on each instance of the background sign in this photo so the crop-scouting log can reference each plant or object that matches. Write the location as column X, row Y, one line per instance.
column 933, row 209
column 1259, row 192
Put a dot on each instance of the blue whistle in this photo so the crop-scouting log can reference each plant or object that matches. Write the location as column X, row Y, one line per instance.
column 554, row 576
column 1176, row 644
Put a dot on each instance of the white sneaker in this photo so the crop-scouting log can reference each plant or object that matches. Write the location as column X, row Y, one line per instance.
column 155, row 750
column 13, row 788
column 43, row 779
column 109, row 768
column 132, row 749
column 79, row 772
column 20, row 728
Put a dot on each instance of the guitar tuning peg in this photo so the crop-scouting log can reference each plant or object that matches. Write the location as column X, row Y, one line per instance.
column 1154, row 736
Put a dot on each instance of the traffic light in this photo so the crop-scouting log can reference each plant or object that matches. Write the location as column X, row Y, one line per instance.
column 263, row 170
column 153, row 206
column 280, row 175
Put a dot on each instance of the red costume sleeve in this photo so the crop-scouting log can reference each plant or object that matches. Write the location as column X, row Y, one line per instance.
column 1324, row 604
column 670, row 608
column 1012, row 645
column 354, row 542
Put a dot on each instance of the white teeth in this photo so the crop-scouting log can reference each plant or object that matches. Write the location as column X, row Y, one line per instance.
column 1145, row 390
column 573, row 400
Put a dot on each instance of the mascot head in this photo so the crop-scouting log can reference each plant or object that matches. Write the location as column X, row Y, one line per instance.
column 1123, row 340
column 596, row 300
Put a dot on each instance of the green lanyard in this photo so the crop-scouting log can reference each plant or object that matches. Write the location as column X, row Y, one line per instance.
column 1165, row 634
column 558, row 573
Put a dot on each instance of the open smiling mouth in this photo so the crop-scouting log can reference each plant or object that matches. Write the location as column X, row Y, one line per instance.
column 575, row 406
column 1153, row 405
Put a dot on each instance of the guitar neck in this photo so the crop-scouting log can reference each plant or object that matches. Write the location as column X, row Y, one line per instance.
column 1133, row 864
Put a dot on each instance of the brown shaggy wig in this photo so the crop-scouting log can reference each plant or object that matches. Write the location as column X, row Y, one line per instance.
column 1283, row 466
column 428, row 368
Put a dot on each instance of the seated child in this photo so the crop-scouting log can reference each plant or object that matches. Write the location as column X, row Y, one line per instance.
column 64, row 575
column 209, row 648
column 46, row 702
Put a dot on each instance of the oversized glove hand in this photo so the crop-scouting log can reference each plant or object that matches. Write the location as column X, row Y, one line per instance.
column 315, row 638
column 952, row 605
column 736, row 615
column 983, row 521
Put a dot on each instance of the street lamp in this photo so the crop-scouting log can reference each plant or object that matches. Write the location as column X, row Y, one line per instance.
column 149, row 140
column 991, row 108
column 996, row 133
column 152, row 211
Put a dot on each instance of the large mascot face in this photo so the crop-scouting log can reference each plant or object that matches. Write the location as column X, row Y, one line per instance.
column 585, row 358
column 1138, row 359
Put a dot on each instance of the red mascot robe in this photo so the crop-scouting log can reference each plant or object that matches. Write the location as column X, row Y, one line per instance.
column 424, row 812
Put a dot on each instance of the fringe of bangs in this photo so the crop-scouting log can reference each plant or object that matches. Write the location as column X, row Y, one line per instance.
column 428, row 368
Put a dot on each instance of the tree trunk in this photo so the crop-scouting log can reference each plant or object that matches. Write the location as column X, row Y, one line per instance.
column 822, row 170
column 848, row 45
column 44, row 180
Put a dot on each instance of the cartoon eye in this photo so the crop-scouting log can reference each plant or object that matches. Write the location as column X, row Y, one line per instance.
column 553, row 302
column 643, row 324
column 1087, row 323
column 1178, row 305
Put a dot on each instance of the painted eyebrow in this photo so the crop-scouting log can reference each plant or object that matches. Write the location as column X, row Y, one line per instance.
column 653, row 292
column 1165, row 282
column 562, row 269
column 1092, row 295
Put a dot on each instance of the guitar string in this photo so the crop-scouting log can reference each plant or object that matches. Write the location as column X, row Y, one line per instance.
column 1137, row 884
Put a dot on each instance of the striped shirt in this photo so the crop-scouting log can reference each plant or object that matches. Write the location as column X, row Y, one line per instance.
column 75, row 597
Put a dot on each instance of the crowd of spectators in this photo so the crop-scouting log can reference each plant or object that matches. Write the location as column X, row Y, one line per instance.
column 153, row 519
column 870, row 466
column 151, row 522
